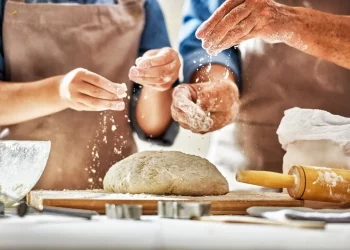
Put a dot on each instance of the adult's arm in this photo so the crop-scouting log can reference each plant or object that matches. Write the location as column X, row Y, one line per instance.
column 317, row 33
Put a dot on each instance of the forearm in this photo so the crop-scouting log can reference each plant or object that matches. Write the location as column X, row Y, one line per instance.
column 319, row 34
column 20, row 102
column 212, row 73
column 153, row 114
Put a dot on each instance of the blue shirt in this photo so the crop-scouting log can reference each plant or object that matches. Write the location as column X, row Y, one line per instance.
column 154, row 36
column 195, row 12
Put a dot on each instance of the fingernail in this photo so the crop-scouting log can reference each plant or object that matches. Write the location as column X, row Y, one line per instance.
column 121, row 93
column 123, row 86
column 144, row 64
column 120, row 106
column 138, row 61
column 134, row 72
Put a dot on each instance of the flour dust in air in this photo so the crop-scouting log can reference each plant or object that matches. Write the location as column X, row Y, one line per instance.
column 106, row 136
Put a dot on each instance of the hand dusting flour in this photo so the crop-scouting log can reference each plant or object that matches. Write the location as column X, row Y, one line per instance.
column 197, row 118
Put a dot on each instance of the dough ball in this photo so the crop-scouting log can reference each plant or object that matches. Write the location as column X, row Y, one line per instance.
column 165, row 173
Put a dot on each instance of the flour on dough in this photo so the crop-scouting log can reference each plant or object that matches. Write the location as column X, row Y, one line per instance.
column 165, row 172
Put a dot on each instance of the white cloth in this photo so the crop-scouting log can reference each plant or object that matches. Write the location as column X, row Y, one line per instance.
column 314, row 138
column 310, row 124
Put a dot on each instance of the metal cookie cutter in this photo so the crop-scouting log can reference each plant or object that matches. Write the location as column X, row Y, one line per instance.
column 183, row 210
column 130, row 212
column 2, row 209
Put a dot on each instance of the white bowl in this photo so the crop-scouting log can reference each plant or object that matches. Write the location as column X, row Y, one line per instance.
column 21, row 166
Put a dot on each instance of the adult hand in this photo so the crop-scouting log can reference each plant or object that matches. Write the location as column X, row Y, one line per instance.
column 239, row 20
column 83, row 90
column 205, row 107
column 157, row 69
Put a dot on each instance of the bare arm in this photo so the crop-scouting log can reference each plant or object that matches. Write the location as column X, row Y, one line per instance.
column 79, row 90
column 320, row 34
column 157, row 70
column 317, row 33
column 153, row 111
column 21, row 102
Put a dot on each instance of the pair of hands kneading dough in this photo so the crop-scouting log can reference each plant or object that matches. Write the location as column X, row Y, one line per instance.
column 165, row 173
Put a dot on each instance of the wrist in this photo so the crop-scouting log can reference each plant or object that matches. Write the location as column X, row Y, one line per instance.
column 290, row 25
column 58, row 93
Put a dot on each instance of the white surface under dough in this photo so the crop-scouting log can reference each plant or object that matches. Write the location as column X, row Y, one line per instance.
column 46, row 233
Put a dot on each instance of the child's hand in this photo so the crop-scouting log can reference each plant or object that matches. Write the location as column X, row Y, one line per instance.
column 157, row 69
column 83, row 90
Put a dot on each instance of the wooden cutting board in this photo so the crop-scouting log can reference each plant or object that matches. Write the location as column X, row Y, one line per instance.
column 232, row 203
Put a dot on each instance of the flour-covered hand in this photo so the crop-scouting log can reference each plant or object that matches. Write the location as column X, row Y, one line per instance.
column 205, row 107
column 157, row 69
column 239, row 20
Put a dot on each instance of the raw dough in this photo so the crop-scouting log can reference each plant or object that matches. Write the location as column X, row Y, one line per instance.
column 316, row 138
column 165, row 172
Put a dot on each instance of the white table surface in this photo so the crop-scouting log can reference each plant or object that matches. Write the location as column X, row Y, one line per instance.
column 50, row 232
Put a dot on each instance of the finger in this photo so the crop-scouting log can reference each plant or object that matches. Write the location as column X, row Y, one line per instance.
column 81, row 107
column 178, row 115
column 220, row 120
column 148, row 53
column 191, row 114
column 101, row 82
column 99, row 104
column 215, row 18
column 216, row 97
column 242, row 32
column 163, row 57
column 93, row 91
column 169, row 69
column 225, row 25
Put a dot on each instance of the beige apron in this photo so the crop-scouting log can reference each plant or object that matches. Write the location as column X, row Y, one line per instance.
column 277, row 77
column 44, row 40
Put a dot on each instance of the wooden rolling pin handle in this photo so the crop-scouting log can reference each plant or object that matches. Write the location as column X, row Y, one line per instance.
column 266, row 179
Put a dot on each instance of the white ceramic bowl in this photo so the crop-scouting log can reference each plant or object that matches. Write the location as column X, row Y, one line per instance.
column 21, row 165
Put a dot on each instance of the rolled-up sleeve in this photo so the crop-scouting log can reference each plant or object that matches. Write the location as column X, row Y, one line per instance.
column 195, row 12
column 154, row 36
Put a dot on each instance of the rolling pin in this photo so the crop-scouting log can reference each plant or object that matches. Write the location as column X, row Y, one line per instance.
column 304, row 182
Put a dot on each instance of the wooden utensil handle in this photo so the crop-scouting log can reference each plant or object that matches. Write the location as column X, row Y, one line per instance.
column 266, row 179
